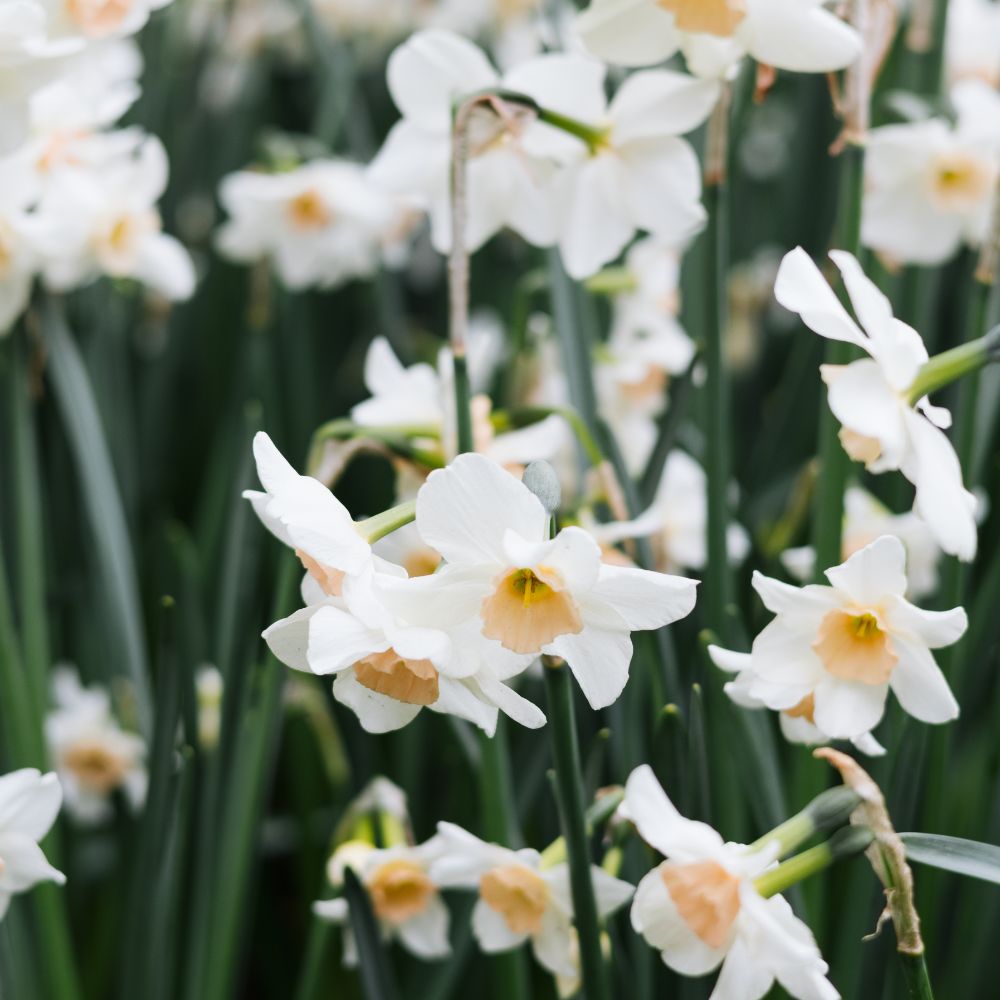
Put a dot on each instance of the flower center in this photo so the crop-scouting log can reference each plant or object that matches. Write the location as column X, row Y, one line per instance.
column 859, row 447
column 399, row 890
column 308, row 211
column 853, row 647
column 98, row 17
column 707, row 898
column 330, row 580
column 118, row 243
column 805, row 709
column 95, row 767
column 960, row 181
column 713, row 17
column 518, row 894
column 414, row 682
column 528, row 609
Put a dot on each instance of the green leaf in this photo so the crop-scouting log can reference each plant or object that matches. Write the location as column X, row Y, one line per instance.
column 373, row 963
column 954, row 854
column 103, row 504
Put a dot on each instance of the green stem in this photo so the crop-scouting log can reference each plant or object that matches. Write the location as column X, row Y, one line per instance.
column 595, row 139
column 373, row 963
column 918, row 982
column 597, row 815
column 828, row 810
column 388, row 521
column 966, row 359
column 569, row 786
column 847, row 842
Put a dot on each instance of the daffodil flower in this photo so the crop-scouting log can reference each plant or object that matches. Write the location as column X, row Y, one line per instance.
column 92, row 754
column 29, row 804
column 520, row 899
column 527, row 593
column 404, row 898
column 930, row 185
column 700, row 908
column 797, row 35
column 833, row 653
column 320, row 224
column 871, row 397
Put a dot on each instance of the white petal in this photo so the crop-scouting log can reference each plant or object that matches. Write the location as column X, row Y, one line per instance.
column 553, row 944
column 628, row 32
column 743, row 976
column 376, row 712
column 492, row 931
column 729, row 660
column 919, row 685
column 288, row 639
column 522, row 711
column 426, row 934
column 599, row 660
column 873, row 573
column 464, row 510
column 29, row 802
column 610, row 893
column 460, row 699
column 645, row 600
column 801, row 288
column 799, row 36
column 786, row 599
column 654, row 103
column 934, row 629
column 24, row 864
column 845, row 709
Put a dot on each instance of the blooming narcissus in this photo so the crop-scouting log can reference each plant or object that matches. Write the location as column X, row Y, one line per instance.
column 404, row 897
column 97, row 19
column 929, row 185
column 870, row 397
column 520, row 899
column 700, row 908
column 29, row 804
column 865, row 519
column 320, row 224
column 677, row 519
column 507, row 186
column 627, row 169
column 93, row 756
column 797, row 35
column 108, row 224
column 530, row 594
column 832, row 653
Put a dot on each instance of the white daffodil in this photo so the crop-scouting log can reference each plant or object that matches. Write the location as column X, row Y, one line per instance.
column 29, row 804
column 321, row 224
column 972, row 41
column 507, row 187
column 797, row 35
column 865, row 519
column 386, row 670
column 530, row 594
column 92, row 754
column 700, row 908
column 798, row 723
column 404, row 897
column 870, row 398
column 421, row 396
column 677, row 519
column 632, row 171
column 18, row 255
column 645, row 327
column 29, row 60
column 96, row 19
column 521, row 900
column 104, row 221
column 833, row 653
column 301, row 512
column 929, row 185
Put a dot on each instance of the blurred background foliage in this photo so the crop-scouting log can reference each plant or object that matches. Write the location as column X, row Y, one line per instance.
column 125, row 443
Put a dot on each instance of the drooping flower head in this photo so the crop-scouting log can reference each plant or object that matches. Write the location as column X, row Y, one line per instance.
column 833, row 653
column 870, row 397
column 700, row 908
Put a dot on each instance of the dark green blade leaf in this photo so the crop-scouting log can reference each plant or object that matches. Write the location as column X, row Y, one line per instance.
column 954, row 854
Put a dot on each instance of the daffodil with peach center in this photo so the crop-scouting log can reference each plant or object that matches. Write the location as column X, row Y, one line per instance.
column 707, row 897
column 518, row 894
column 117, row 244
column 308, row 211
column 97, row 18
column 95, row 766
column 859, row 447
column 853, row 647
column 399, row 890
column 413, row 682
column 711, row 17
column 960, row 180
column 528, row 609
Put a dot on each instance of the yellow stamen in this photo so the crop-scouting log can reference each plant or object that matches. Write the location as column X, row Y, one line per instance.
column 707, row 898
column 960, row 181
column 414, row 682
column 712, row 17
column 528, row 609
column 399, row 890
column 308, row 210
column 853, row 647
column 518, row 894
